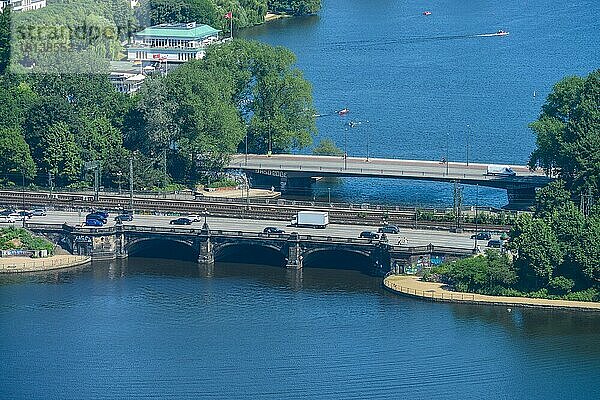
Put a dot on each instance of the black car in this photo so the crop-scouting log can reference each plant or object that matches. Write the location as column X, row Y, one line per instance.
column 388, row 229
column 368, row 235
column 482, row 236
column 181, row 221
column 495, row 243
column 124, row 217
column 99, row 217
column 272, row 229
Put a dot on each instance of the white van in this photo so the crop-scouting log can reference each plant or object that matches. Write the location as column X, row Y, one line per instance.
column 7, row 219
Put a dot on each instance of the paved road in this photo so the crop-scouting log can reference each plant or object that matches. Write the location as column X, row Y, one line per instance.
column 379, row 167
column 414, row 237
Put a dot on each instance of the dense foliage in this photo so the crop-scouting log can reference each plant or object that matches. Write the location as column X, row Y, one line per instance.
column 21, row 239
column 295, row 7
column 212, row 12
column 556, row 251
column 52, row 124
column 327, row 147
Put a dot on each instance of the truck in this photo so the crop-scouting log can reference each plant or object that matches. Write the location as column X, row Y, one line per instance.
column 500, row 170
column 311, row 219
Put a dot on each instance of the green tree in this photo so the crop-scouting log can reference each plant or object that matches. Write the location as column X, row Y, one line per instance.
column 295, row 7
column 15, row 156
column 5, row 39
column 327, row 147
column 61, row 154
column 568, row 133
column 538, row 253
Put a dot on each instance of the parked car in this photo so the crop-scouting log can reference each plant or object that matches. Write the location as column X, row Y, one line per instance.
column 24, row 213
column 368, row 235
column 388, row 229
column 181, row 221
column 38, row 212
column 6, row 219
column 272, row 229
column 124, row 217
column 93, row 222
column 482, row 236
column 104, row 214
column 16, row 216
column 6, row 212
column 495, row 243
column 194, row 217
column 99, row 217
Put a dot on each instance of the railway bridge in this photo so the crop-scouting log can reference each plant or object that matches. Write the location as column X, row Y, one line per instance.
column 293, row 250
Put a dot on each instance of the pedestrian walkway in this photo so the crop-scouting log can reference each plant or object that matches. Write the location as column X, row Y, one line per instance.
column 415, row 287
column 23, row 264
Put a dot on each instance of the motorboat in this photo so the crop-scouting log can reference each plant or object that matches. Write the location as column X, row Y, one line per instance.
column 501, row 33
column 343, row 111
column 426, row 13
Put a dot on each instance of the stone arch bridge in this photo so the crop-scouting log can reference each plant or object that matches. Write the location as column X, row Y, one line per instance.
column 293, row 250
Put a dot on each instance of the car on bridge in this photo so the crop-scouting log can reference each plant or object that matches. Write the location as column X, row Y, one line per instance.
column 482, row 236
column 99, row 217
column 38, row 212
column 7, row 219
column 93, row 222
column 181, row 221
column 495, row 244
column 272, row 229
column 124, row 217
column 388, row 229
column 195, row 217
column 368, row 235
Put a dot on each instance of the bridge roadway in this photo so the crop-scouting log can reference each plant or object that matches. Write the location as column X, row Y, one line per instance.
column 414, row 237
column 307, row 165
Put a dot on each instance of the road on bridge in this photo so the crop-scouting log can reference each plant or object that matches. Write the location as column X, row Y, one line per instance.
column 414, row 237
column 386, row 168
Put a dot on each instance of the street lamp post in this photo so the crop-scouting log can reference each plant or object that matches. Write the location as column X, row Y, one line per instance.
column 476, row 217
column 120, row 175
column 346, row 148
column 246, row 148
column 329, row 195
column 447, row 153
column 468, row 134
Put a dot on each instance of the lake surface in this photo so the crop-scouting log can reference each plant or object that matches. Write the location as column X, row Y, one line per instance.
column 420, row 80
column 164, row 329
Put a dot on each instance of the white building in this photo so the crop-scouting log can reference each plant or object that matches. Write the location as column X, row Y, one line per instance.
column 127, row 77
column 172, row 43
column 23, row 5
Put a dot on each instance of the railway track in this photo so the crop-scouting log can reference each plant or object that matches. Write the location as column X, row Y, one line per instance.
column 283, row 212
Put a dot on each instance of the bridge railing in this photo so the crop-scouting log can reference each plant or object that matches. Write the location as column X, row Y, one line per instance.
column 430, row 172
column 247, row 235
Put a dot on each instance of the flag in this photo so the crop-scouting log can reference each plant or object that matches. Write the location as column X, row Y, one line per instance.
column 229, row 15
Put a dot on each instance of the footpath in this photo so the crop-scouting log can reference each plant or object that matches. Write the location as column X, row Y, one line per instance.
column 23, row 264
column 414, row 287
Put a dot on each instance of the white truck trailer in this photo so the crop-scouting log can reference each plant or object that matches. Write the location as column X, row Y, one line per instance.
column 311, row 219
column 500, row 170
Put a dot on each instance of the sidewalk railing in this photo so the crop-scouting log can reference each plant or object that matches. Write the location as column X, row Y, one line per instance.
column 41, row 265
column 431, row 294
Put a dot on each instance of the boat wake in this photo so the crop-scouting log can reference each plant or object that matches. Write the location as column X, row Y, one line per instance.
column 353, row 44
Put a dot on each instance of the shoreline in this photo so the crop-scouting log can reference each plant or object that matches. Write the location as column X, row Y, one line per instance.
column 14, row 265
column 272, row 17
column 432, row 291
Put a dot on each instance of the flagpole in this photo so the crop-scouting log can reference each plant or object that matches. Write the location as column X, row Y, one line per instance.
column 231, row 26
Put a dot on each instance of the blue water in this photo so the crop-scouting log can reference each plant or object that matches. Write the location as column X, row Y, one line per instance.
column 162, row 329
column 420, row 80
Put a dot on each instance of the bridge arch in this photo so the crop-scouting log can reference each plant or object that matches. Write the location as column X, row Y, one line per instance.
column 338, row 258
column 161, row 247
column 250, row 253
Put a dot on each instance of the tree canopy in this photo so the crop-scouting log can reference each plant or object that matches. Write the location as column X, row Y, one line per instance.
column 568, row 133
